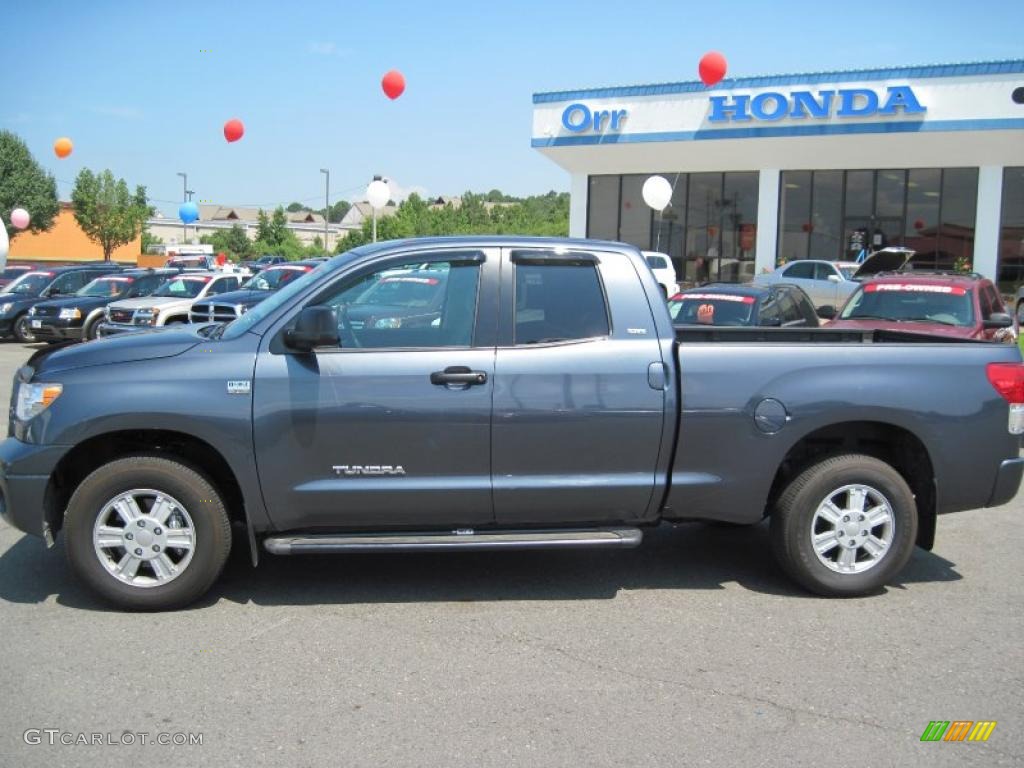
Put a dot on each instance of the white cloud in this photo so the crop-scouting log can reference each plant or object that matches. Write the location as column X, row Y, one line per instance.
column 400, row 192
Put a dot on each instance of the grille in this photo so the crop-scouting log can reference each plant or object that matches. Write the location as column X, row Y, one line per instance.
column 212, row 313
column 121, row 315
column 42, row 311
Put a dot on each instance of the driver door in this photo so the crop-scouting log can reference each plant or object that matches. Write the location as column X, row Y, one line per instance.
column 391, row 429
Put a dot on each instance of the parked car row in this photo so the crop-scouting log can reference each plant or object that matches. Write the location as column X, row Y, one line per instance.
column 93, row 300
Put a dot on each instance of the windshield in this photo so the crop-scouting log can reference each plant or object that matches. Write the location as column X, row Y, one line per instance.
column 182, row 287
column 405, row 291
column 657, row 262
column 30, row 284
column 908, row 302
column 274, row 278
column 106, row 286
column 711, row 309
column 237, row 327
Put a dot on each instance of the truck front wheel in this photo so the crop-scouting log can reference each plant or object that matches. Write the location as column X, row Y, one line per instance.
column 147, row 533
column 845, row 526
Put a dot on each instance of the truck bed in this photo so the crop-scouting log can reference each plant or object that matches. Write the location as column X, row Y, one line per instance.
column 690, row 333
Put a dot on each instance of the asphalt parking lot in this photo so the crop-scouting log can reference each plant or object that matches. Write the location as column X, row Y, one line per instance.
column 690, row 650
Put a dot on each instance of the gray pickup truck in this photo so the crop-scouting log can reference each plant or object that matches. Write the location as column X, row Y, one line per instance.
column 497, row 393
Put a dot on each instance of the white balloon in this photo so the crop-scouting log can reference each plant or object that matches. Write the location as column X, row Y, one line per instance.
column 4, row 245
column 378, row 193
column 657, row 192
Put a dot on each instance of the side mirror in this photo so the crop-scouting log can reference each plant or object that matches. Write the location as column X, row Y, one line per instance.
column 999, row 320
column 833, row 278
column 315, row 326
column 828, row 312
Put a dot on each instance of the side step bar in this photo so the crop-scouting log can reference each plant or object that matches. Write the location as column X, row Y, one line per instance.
column 463, row 539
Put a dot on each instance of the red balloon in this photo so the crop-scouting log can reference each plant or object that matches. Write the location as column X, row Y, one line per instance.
column 918, row 223
column 712, row 67
column 233, row 129
column 393, row 84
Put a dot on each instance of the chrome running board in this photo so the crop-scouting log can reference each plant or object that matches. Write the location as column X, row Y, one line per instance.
column 462, row 539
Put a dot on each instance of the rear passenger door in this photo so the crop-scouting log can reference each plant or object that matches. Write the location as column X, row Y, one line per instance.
column 577, row 419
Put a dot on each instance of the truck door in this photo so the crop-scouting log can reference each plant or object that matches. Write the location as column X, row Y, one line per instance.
column 578, row 407
column 392, row 428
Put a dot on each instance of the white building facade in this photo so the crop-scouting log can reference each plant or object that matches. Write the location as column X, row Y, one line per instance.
column 819, row 165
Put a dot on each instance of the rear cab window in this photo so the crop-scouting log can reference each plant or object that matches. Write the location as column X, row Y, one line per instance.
column 558, row 297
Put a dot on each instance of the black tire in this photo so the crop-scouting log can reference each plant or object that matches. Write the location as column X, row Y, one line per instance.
column 212, row 530
column 21, row 330
column 793, row 517
column 91, row 328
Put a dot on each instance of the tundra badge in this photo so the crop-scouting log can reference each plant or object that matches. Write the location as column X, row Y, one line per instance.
column 350, row 470
column 241, row 387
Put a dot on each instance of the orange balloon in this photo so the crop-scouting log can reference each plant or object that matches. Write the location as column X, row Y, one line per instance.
column 62, row 147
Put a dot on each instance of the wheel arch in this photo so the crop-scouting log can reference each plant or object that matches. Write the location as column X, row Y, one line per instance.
column 98, row 450
column 895, row 445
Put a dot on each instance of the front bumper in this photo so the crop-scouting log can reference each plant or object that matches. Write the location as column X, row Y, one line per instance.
column 24, row 476
column 6, row 326
column 116, row 329
column 1007, row 482
column 55, row 328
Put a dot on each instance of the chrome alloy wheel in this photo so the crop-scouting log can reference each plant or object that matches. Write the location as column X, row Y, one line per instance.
column 144, row 537
column 853, row 529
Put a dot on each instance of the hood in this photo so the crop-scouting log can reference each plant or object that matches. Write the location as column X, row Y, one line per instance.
column 18, row 298
column 885, row 260
column 931, row 329
column 150, row 301
column 249, row 298
column 75, row 301
column 148, row 345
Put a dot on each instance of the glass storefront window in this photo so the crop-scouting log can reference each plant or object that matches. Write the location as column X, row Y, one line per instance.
column 739, row 227
column 634, row 213
column 670, row 224
column 930, row 210
column 794, row 215
column 1010, row 264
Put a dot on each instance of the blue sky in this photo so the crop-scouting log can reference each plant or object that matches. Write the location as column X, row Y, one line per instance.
column 135, row 93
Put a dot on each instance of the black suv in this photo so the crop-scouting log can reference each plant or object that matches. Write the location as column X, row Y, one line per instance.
column 77, row 317
column 42, row 284
column 729, row 304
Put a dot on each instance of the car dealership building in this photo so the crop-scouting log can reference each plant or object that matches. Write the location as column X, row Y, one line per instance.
column 821, row 165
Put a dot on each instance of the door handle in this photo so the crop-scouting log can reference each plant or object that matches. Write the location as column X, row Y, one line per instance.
column 458, row 374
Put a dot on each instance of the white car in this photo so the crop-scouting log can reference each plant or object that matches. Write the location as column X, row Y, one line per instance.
column 664, row 272
column 830, row 283
column 167, row 305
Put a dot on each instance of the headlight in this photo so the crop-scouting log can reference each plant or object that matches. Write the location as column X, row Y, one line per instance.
column 69, row 314
column 241, row 309
column 33, row 399
column 6, row 307
column 145, row 316
column 388, row 322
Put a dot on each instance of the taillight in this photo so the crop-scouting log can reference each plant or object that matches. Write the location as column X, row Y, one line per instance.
column 1008, row 380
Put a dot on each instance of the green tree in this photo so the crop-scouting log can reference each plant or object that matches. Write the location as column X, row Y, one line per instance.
column 233, row 242
column 295, row 207
column 149, row 242
column 106, row 211
column 338, row 211
column 24, row 184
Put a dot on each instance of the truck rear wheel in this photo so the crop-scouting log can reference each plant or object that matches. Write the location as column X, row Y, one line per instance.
column 845, row 526
column 147, row 533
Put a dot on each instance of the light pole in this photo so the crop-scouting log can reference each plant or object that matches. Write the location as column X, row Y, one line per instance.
column 377, row 195
column 327, row 204
column 184, row 199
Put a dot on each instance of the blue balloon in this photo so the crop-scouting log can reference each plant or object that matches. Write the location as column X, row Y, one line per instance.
column 188, row 212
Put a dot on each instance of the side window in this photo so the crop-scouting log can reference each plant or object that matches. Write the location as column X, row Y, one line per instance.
column 557, row 300
column 223, row 285
column 789, row 313
column 801, row 270
column 770, row 311
column 69, row 282
column 807, row 311
column 990, row 302
column 824, row 271
column 145, row 285
column 419, row 304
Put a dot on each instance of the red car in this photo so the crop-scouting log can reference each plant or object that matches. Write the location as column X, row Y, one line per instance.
column 962, row 306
